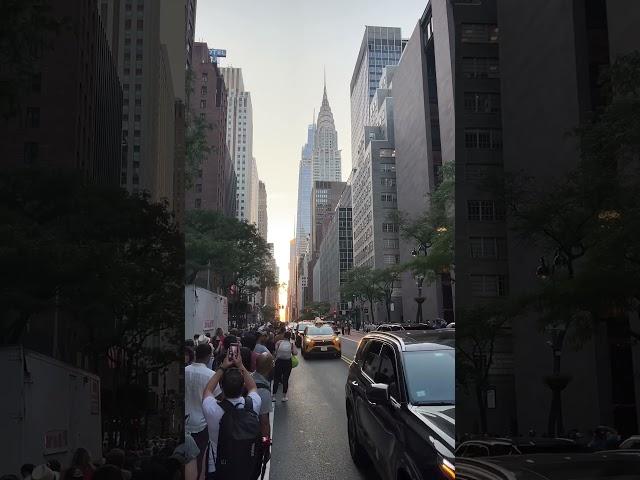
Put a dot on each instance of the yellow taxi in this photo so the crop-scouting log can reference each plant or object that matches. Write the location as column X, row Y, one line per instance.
column 320, row 339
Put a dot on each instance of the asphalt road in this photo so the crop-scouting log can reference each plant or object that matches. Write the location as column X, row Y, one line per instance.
column 310, row 430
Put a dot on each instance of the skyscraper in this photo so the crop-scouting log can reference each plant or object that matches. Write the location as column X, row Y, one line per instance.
column 326, row 159
column 381, row 46
column 262, row 211
column 213, row 186
column 303, row 215
column 240, row 144
column 47, row 129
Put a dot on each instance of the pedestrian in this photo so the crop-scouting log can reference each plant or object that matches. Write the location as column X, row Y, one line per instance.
column 116, row 457
column 280, row 335
column 218, row 337
column 25, row 471
column 235, row 417
column 348, row 327
column 189, row 356
column 260, row 344
column 82, row 460
column 188, row 452
column 42, row 472
column 284, row 351
column 196, row 377
column 271, row 343
column 264, row 368
column 108, row 472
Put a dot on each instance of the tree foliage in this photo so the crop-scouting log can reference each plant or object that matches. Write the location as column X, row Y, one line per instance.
column 435, row 227
column 112, row 260
column 315, row 309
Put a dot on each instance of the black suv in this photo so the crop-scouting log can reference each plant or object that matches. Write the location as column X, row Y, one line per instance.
column 400, row 399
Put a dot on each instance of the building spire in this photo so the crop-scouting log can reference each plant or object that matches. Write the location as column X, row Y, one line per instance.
column 325, row 80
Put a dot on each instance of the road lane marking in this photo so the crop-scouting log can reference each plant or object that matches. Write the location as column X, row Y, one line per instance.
column 348, row 361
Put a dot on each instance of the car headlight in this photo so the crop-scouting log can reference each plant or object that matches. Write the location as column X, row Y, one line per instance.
column 447, row 468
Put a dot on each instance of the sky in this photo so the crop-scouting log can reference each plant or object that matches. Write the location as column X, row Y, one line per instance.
column 283, row 47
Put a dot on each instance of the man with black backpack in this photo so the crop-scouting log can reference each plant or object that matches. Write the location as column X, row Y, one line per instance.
column 234, row 426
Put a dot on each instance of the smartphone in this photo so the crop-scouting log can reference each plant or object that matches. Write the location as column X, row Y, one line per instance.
column 234, row 351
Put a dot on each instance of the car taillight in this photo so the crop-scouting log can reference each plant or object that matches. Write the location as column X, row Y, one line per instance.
column 448, row 469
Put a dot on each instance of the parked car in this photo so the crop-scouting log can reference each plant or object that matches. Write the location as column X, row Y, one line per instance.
column 487, row 447
column 321, row 340
column 400, row 402
column 631, row 443
column 610, row 465
column 389, row 327
column 491, row 447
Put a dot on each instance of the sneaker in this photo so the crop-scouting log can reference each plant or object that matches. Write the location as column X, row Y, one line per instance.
column 285, row 398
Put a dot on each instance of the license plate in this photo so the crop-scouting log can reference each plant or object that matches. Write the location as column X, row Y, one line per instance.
column 323, row 349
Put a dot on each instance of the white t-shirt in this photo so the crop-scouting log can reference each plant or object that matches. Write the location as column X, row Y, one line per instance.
column 196, row 377
column 214, row 412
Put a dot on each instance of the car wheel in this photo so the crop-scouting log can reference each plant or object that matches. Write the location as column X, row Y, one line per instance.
column 358, row 454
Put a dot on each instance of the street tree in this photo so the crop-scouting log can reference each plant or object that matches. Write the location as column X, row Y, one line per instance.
column 587, row 221
column 315, row 309
column 364, row 282
column 433, row 231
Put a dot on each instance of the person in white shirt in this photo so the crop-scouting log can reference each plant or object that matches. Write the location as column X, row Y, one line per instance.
column 196, row 377
column 236, row 377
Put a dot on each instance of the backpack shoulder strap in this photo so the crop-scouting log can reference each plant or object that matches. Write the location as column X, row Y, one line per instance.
column 226, row 405
column 248, row 403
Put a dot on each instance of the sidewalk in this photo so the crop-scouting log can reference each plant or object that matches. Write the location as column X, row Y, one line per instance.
column 355, row 335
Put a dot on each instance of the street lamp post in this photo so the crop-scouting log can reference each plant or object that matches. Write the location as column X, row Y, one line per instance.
column 420, row 250
column 556, row 381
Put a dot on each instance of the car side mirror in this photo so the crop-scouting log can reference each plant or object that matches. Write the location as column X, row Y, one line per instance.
column 378, row 393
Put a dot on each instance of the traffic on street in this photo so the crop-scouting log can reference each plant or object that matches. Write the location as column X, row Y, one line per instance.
column 301, row 400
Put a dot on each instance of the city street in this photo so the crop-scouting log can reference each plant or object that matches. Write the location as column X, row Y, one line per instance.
column 310, row 430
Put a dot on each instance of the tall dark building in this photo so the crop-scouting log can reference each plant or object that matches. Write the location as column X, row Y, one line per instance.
column 70, row 116
column 213, row 186
column 526, row 76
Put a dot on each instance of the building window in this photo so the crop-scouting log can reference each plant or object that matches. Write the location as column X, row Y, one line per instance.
column 389, row 227
column 200, row 173
column 127, row 41
column 481, row 102
column 30, row 152
column 138, row 102
column 391, row 243
column 205, row 77
column 390, row 259
column 36, row 82
column 33, row 117
column 387, row 167
column 198, row 203
column 388, row 197
column 127, row 71
column 480, row 67
column 136, row 133
column 484, row 211
column 138, row 71
column 203, row 90
column 203, row 104
column 479, row 33
column 127, row 24
column 140, row 24
column 123, row 178
column 488, row 285
column 135, row 180
column 388, row 182
column 198, row 188
column 488, row 247
column 483, row 138
column 138, row 87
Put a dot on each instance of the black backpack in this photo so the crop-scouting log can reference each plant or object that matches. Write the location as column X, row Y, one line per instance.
column 239, row 441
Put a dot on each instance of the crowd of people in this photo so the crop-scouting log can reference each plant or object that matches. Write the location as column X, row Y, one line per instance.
column 231, row 383
column 166, row 463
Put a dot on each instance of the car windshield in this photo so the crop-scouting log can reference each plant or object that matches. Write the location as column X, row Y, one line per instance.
column 430, row 376
column 302, row 326
column 324, row 330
